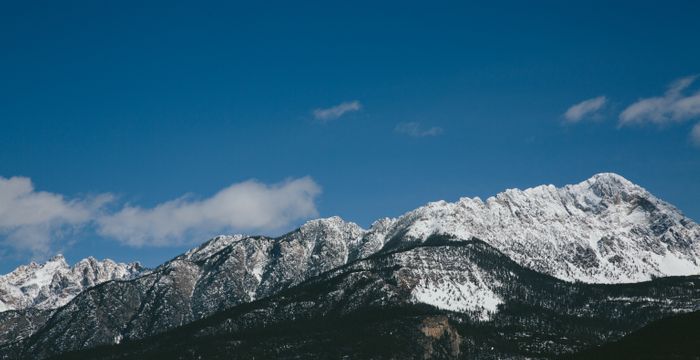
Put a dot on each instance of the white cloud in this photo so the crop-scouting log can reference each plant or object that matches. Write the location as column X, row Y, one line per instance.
column 332, row 113
column 33, row 220
column 584, row 109
column 39, row 222
column 245, row 206
column 695, row 134
column 415, row 129
column 673, row 106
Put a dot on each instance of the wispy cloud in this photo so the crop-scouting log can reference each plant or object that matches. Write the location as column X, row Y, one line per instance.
column 33, row 220
column 584, row 109
column 673, row 106
column 249, row 205
column 415, row 129
column 695, row 135
column 334, row 112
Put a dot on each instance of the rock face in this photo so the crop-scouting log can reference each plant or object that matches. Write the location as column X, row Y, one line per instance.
column 54, row 283
column 17, row 325
column 603, row 230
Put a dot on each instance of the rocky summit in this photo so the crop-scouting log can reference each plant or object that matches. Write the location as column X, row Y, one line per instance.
column 54, row 283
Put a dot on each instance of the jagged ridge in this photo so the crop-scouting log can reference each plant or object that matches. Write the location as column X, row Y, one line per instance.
column 603, row 230
column 54, row 283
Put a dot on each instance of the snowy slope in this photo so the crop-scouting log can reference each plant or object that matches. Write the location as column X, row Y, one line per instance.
column 54, row 283
column 602, row 230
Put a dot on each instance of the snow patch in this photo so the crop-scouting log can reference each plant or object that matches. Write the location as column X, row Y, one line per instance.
column 674, row 266
column 459, row 297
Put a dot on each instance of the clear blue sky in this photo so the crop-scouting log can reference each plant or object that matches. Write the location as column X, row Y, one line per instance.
column 152, row 101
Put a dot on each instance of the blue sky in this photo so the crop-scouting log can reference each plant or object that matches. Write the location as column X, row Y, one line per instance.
column 116, row 110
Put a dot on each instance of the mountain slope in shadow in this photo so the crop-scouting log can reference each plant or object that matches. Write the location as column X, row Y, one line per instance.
column 676, row 337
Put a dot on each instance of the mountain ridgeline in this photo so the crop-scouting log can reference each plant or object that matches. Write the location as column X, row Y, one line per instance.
column 535, row 273
column 54, row 283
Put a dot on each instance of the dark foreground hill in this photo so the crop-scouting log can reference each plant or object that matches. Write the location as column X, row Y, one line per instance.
column 676, row 337
column 414, row 303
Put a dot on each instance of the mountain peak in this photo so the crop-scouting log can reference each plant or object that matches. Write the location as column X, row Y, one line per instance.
column 54, row 283
column 212, row 246
column 610, row 177
column 58, row 259
column 331, row 229
column 609, row 184
column 329, row 222
column 602, row 230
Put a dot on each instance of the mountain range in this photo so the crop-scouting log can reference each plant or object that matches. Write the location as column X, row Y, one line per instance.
column 535, row 273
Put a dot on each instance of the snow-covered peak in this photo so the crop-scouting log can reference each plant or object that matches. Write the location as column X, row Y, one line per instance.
column 331, row 233
column 334, row 227
column 605, row 229
column 33, row 277
column 54, row 283
column 606, row 187
column 212, row 246
column 59, row 260
column 610, row 181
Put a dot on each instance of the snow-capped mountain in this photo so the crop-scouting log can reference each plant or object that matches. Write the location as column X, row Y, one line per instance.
column 602, row 230
column 444, row 300
column 54, row 283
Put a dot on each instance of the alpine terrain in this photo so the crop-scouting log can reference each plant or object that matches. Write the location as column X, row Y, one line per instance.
column 54, row 283
column 544, row 272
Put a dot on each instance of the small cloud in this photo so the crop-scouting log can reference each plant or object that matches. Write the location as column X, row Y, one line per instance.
column 414, row 129
column 31, row 221
column 695, row 135
column 586, row 108
column 673, row 106
column 249, row 205
column 332, row 113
